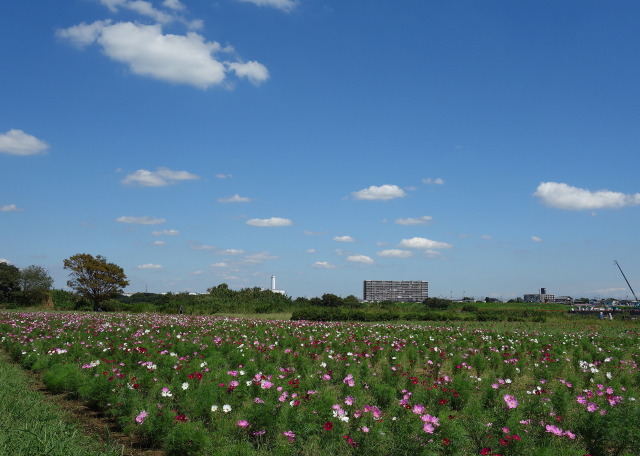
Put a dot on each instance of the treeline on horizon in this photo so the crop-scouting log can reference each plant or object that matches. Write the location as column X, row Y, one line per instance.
column 329, row 307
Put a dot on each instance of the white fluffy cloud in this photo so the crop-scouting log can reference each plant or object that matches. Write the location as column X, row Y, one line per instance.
column 158, row 178
column 254, row 71
column 423, row 243
column 323, row 265
column 563, row 196
column 273, row 221
column 140, row 220
column 343, row 239
column 150, row 266
column 362, row 259
column 381, row 193
column 17, row 142
column 10, row 208
column 536, row 239
column 147, row 51
column 395, row 253
column 284, row 5
column 415, row 221
column 234, row 199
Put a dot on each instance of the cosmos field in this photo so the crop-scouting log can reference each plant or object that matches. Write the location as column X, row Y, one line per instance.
column 216, row 385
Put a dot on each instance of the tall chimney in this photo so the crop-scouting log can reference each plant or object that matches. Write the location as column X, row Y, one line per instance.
column 273, row 283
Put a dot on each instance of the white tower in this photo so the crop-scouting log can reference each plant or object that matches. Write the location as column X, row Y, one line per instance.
column 273, row 283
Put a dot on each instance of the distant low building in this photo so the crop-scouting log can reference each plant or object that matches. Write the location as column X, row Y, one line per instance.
column 395, row 290
column 564, row 300
column 543, row 296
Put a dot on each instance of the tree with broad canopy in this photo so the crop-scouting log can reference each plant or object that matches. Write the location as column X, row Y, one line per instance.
column 94, row 278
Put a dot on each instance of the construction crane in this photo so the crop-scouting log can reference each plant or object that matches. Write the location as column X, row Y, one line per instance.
column 628, row 284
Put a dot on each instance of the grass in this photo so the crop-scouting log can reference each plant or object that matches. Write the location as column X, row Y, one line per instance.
column 30, row 425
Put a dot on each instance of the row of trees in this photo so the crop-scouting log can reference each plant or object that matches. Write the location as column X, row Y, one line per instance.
column 29, row 286
column 93, row 278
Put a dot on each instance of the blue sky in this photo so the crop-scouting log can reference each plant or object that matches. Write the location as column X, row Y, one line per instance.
column 490, row 148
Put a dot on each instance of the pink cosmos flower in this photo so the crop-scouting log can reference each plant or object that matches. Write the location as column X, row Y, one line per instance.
column 141, row 417
column 591, row 407
column 418, row 409
column 430, row 419
column 290, row 435
column 428, row 428
column 511, row 401
column 243, row 423
column 554, row 429
column 349, row 380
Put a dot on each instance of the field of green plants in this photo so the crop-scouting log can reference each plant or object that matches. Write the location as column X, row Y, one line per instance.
column 196, row 385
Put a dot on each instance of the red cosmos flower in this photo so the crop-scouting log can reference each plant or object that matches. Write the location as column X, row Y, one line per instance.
column 294, row 383
column 181, row 417
column 485, row 451
column 442, row 401
column 446, row 441
column 328, row 426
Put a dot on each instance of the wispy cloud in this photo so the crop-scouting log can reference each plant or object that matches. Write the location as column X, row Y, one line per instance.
column 536, row 239
column 273, row 221
column 259, row 257
column 10, row 208
column 158, row 178
column 284, row 5
column 150, row 266
column 381, row 193
column 395, row 253
column 415, row 221
column 343, row 239
column 145, row 220
column 323, row 265
column 17, row 142
column 436, row 181
column 166, row 233
column 423, row 243
column 563, row 196
column 230, row 252
column 234, row 199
